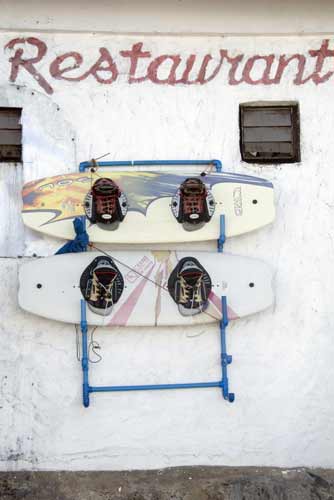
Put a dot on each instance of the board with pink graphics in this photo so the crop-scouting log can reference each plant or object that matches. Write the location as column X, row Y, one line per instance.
column 50, row 287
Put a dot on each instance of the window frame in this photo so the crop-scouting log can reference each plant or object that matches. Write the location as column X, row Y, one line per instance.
column 295, row 130
column 11, row 110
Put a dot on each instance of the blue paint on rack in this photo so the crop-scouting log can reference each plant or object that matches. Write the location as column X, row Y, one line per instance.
column 222, row 238
column 84, row 359
column 225, row 358
column 141, row 163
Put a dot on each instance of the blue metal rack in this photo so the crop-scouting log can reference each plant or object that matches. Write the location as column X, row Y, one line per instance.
column 226, row 359
column 84, row 165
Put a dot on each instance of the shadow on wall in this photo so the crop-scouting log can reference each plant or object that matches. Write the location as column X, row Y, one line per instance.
column 48, row 145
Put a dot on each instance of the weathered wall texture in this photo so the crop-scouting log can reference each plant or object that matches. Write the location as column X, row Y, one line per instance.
column 283, row 358
column 172, row 17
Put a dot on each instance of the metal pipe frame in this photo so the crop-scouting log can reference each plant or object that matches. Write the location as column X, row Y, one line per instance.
column 225, row 358
column 223, row 383
column 222, row 238
column 142, row 163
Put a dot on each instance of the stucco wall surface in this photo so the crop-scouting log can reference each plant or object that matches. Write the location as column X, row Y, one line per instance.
column 282, row 369
column 172, row 17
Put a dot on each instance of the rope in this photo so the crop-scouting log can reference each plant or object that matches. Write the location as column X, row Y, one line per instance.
column 128, row 267
column 93, row 345
column 139, row 274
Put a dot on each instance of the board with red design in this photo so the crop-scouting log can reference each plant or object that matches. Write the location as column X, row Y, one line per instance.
column 51, row 204
column 49, row 287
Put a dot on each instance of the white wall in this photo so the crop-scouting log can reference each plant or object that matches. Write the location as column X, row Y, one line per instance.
column 172, row 16
column 282, row 371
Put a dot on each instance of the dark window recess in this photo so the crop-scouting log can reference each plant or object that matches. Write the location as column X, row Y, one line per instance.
column 10, row 135
column 269, row 132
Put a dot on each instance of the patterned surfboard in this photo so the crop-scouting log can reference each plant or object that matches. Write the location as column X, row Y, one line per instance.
column 51, row 204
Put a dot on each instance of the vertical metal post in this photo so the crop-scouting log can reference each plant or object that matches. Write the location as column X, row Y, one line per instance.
column 83, row 218
column 218, row 164
column 221, row 239
column 226, row 359
column 84, row 361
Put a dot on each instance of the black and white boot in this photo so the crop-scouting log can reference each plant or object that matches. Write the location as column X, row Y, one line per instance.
column 193, row 204
column 101, row 284
column 105, row 204
column 190, row 285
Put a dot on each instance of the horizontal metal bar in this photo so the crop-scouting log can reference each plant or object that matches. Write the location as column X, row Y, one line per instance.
column 154, row 387
column 140, row 163
column 88, row 164
column 173, row 162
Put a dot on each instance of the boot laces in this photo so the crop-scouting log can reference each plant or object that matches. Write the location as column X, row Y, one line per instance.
column 106, row 195
column 106, row 204
column 191, row 293
column 193, row 196
column 101, row 291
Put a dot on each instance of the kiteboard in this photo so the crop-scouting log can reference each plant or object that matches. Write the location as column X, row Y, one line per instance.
column 153, row 288
column 148, row 206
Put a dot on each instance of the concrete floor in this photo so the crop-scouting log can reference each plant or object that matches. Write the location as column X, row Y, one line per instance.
column 185, row 483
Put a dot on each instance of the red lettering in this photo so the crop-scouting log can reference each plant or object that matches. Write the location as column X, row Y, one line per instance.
column 321, row 55
column 105, row 70
column 152, row 71
column 283, row 63
column 135, row 54
column 202, row 79
column 105, row 57
column 189, row 66
column 234, row 62
column 57, row 72
column 98, row 67
column 264, row 79
column 28, row 64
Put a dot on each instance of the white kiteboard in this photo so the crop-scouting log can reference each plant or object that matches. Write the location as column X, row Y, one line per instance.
column 51, row 204
column 50, row 287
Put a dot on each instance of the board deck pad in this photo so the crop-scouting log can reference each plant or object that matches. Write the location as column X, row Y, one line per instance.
column 49, row 287
column 51, row 204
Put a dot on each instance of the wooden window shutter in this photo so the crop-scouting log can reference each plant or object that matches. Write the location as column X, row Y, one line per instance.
column 10, row 135
column 269, row 132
